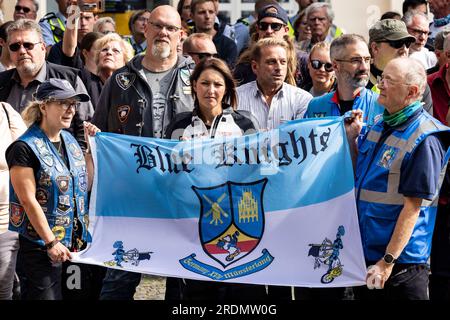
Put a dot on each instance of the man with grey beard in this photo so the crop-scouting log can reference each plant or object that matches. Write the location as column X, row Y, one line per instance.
column 27, row 52
column 141, row 99
column 351, row 63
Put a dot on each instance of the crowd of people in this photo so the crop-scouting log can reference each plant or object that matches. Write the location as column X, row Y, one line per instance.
column 183, row 74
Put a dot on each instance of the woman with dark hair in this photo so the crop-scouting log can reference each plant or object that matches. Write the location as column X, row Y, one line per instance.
column 302, row 29
column 88, row 74
column 215, row 103
column 5, row 59
column 184, row 9
column 214, row 116
column 137, row 24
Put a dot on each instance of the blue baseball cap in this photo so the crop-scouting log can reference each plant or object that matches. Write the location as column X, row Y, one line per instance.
column 273, row 10
column 58, row 89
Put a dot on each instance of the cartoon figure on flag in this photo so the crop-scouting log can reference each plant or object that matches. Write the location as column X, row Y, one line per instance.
column 132, row 256
column 327, row 253
column 231, row 222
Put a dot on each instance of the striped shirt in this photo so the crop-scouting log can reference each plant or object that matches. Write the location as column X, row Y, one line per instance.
column 289, row 103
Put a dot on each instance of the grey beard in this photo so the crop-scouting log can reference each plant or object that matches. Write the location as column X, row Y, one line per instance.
column 161, row 50
column 29, row 68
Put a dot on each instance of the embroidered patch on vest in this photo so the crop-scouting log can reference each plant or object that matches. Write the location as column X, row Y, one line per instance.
column 63, row 220
column 82, row 181
column 185, row 77
column 123, row 112
column 63, row 183
column 47, row 158
column 387, row 157
column 16, row 214
column 76, row 151
column 63, row 204
column 125, row 80
column 40, row 146
column 42, row 196
column 59, row 232
column 86, row 220
column 44, row 179
column 81, row 205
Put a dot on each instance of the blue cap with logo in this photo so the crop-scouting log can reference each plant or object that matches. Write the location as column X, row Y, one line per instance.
column 58, row 89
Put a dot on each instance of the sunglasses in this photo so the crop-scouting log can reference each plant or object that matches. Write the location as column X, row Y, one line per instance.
column 317, row 64
column 27, row 45
column 203, row 55
column 274, row 26
column 397, row 44
column 20, row 8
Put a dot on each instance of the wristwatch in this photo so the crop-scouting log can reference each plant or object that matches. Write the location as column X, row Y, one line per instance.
column 389, row 258
column 51, row 244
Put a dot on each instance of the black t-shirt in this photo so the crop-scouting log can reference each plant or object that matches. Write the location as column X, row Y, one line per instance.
column 345, row 106
column 20, row 154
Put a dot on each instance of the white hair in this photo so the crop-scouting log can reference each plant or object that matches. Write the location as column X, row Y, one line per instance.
column 319, row 5
column 411, row 14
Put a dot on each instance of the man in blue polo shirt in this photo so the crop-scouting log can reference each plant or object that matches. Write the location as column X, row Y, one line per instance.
column 399, row 169
column 351, row 63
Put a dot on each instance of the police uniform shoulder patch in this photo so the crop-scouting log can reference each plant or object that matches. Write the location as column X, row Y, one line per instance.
column 123, row 112
column 125, row 80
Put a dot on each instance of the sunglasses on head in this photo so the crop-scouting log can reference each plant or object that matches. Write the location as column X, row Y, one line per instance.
column 27, row 45
column 203, row 55
column 275, row 26
column 20, row 8
column 397, row 44
column 317, row 64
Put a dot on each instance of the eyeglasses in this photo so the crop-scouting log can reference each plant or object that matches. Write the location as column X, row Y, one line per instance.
column 20, row 8
column 357, row 60
column 159, row 27
column 397, row 44
column 419, row 32
column 382, row 80
column 27, row 45
column 275, row 26
column 203, row 55
column 317, row 64
column 65, row 105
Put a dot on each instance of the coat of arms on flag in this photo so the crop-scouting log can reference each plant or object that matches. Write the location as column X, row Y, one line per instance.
column 231, row 225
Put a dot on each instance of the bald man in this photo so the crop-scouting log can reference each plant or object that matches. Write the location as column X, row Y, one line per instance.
column 140, row 99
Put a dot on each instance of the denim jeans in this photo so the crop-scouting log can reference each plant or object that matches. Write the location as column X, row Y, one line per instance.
column 9, row 246
column 119, row 285
column 40, row 279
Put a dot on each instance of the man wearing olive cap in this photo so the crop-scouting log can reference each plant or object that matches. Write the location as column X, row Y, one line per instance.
column 389, row 39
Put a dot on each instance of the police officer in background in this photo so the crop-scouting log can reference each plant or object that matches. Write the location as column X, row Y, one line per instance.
column 53, row 24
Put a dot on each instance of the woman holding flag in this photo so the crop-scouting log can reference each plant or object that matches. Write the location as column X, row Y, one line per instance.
column 49, row 185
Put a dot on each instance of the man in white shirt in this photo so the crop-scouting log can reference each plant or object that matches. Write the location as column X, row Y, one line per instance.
column 269, row 99
column 418, row 26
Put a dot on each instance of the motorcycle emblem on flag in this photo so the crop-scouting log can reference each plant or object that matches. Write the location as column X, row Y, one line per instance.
column 231, row 226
